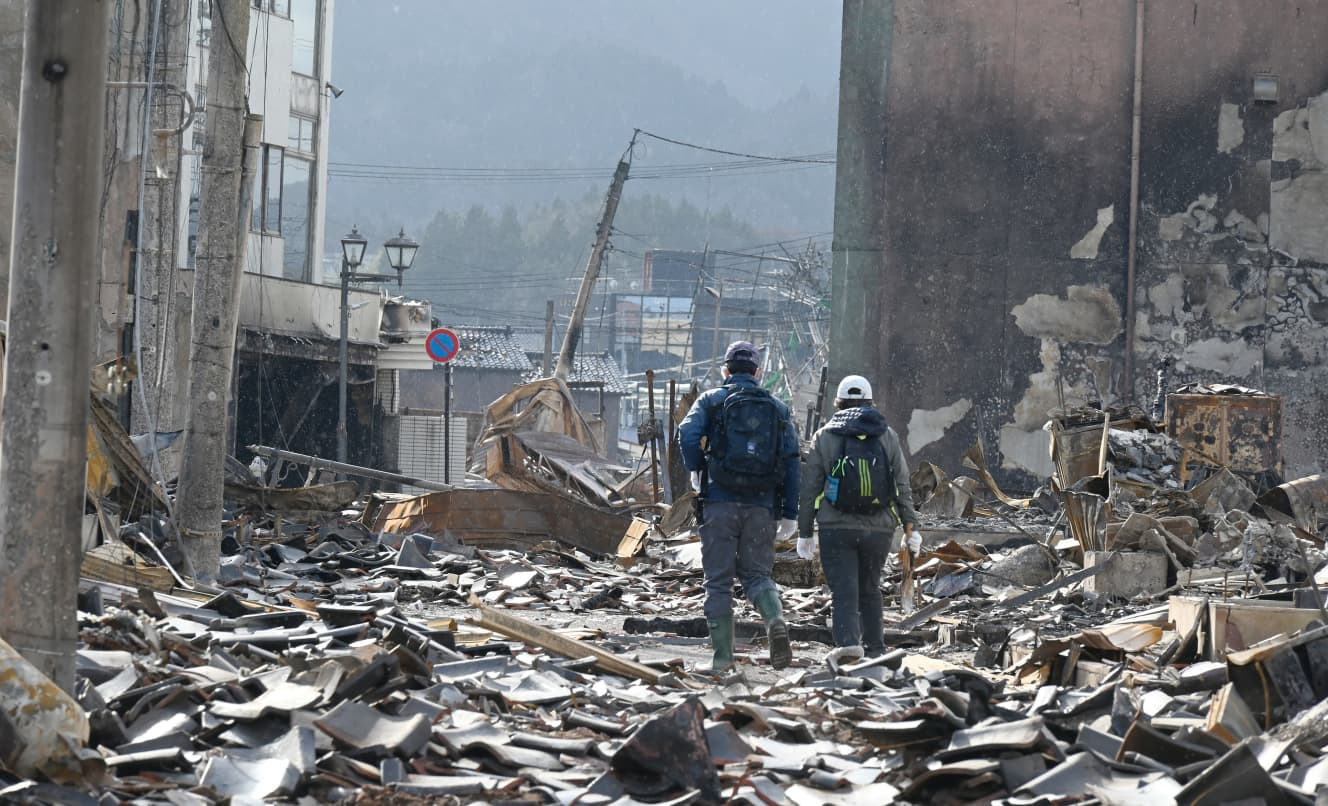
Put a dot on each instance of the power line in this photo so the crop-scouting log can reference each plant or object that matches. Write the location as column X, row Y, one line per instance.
column 425, row 175
column 800, row 158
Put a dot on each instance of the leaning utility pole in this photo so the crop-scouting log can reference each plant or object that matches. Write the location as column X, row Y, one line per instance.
column 573, row 335
column 48, row 356
column 230, row 159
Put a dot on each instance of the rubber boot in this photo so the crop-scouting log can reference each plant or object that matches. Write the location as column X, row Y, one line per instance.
column 721, row 640
column 776, row 629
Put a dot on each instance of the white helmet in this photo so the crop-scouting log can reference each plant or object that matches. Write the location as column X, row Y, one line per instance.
column 854, row 387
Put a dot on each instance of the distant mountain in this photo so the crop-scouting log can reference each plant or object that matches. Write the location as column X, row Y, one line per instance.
column 538, row 85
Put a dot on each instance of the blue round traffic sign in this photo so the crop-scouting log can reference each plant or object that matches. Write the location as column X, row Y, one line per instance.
column 442, row 345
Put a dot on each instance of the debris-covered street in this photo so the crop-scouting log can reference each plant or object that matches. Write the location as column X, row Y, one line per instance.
column 1116, row 641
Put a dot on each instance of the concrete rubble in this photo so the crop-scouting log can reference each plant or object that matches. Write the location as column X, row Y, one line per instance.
column 1118, row 637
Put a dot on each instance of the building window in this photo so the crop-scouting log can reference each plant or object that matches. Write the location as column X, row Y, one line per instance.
column 297, row 192
column 281, row 7
column 304, row 45
column 300, row 134
column 267, row 193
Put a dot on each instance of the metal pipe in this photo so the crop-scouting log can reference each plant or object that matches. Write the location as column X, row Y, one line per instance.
column 342, row 359
column 1131, row 261
column 319, row 463
column 447, row 427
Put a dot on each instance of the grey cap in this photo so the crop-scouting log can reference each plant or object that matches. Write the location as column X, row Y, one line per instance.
column 742, row 351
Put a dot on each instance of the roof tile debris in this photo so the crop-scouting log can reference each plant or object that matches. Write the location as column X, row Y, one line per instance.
column 337, row 663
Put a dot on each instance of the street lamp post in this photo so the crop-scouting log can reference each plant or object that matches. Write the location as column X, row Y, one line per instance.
column 400, row 254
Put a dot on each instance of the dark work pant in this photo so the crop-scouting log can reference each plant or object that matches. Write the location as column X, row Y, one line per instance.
column 736, row 540
column 852, row 560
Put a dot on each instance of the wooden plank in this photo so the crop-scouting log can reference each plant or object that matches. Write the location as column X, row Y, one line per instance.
column 502, row 622
column 117, row 563
column 1230, row 718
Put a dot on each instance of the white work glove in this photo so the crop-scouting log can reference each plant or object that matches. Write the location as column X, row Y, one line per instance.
column 914, row 542
column 695, row 477
column 806, row 547
column 786, row 529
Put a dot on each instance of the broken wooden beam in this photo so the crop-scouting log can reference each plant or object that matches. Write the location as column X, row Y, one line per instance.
column 513, row 627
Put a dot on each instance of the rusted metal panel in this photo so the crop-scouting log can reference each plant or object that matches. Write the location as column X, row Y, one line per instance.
column 1240, row 432
column 503, row 519
column 1303, row 502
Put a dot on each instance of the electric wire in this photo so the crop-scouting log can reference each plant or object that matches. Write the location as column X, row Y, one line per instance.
column 798, row 158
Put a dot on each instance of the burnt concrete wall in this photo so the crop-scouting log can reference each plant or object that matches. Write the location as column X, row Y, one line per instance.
column 1234, row 208
column 1001, row 207
column 11, row 80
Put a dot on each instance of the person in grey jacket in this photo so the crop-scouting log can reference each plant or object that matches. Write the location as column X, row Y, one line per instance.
column 854, row 545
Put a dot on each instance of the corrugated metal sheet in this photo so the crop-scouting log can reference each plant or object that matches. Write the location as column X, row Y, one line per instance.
column 421, row 449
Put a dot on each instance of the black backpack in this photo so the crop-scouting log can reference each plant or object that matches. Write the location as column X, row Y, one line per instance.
column 746, row 441
column 861, row 480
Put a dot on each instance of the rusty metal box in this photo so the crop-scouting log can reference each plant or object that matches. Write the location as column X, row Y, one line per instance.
column 1241, row 432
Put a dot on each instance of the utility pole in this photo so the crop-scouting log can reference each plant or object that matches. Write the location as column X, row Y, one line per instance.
column 573, row 335
column 230, row 160
column 48, row 357
column 548, row 338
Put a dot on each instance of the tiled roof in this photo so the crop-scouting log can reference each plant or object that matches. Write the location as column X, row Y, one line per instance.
column 490, row 348
column 594, row 367
column 532, row 339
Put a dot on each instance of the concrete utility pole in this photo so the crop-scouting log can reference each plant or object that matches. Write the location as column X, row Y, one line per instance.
column 573, row 336
column 230, row 160
column 53, row 269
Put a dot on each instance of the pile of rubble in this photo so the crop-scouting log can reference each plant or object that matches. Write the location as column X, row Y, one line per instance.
column 1123, row 636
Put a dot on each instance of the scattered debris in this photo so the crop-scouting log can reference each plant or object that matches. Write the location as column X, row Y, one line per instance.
column 1129, row 634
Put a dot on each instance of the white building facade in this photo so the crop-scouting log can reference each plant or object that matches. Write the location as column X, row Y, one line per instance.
column 289, row 53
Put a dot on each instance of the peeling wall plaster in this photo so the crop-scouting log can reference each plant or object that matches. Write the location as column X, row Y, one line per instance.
column 1297, row 323
column 1089, row 314
column 1189, row 294
column 1086, row 248
column 926, row 427
column 1199, row 217
column 1023, row 442
column 1029, row 451
column 1230, row 128
column 1298, row 225
column 1235, row 359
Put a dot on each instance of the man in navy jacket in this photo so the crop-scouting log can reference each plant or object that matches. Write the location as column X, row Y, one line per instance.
column 739, row 532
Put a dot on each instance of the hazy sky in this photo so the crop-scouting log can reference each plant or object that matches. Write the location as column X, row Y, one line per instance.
column 760, row 49
column 562, row 83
